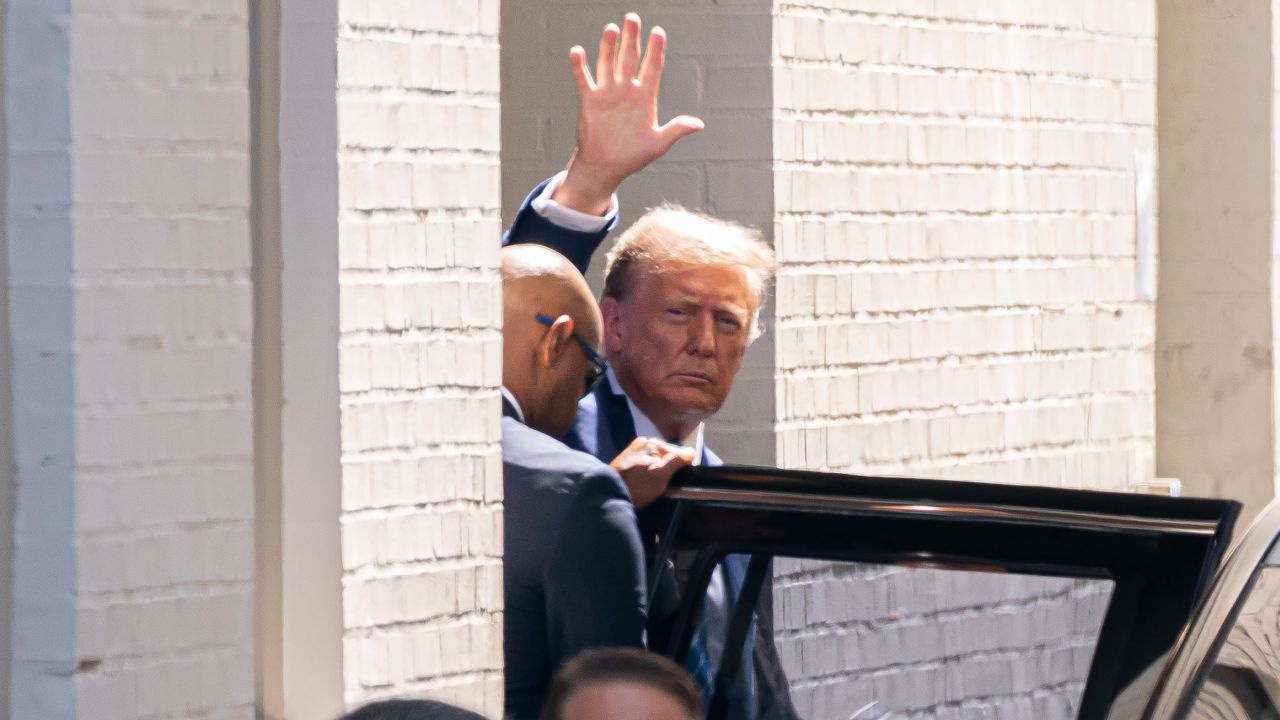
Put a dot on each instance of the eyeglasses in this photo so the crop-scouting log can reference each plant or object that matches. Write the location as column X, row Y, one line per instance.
column 596, row 359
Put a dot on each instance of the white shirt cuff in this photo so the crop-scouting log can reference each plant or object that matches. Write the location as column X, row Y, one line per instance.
column 568, row 218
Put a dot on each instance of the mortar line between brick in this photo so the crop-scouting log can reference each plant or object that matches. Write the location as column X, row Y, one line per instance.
column 797, row 62
column 979, row 120
column 1063, row 32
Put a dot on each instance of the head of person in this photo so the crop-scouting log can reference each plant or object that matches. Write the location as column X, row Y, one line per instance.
column 410, row 709
column 621, row 684
column 681, row 303
column 550, row 336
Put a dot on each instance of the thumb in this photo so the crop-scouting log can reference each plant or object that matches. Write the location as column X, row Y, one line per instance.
column 678, row 127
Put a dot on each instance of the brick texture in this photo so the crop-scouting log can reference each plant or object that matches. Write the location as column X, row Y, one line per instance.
column 135, row 499
column 420, row 354
column 854, row 634
column 954, row 193
column 956, row 230
column 163, row 327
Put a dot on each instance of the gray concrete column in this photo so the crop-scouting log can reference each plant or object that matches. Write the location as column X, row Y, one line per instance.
column 1215, row 370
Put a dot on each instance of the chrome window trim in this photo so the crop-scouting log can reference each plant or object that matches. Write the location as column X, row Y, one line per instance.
column 949, row 510
column 1200, row 638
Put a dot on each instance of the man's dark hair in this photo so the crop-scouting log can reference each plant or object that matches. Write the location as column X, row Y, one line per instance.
column 407, row 709
column 616, row 664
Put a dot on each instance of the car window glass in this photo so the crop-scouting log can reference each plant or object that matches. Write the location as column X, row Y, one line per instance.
column 1244, row 680
column 858, row 641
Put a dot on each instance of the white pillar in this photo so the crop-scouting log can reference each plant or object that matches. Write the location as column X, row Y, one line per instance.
column 299, row 471
column 420, row 350
column 130, row 319
column 38, row 226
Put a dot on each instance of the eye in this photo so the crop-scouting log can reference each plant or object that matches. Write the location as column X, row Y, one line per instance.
column 729, row 322
column 677, row 313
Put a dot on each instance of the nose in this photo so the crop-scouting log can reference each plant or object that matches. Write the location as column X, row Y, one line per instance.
column 702, row 336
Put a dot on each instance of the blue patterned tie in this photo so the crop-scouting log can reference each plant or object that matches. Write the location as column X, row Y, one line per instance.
column 698, row 664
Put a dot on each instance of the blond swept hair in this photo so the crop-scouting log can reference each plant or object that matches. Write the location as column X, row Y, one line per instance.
column 671, row 236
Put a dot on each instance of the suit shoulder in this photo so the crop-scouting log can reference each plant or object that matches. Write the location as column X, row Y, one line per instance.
column 529, row 449
column 582, row 436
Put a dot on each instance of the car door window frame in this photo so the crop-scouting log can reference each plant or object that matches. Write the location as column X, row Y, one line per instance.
column 944, row 507
column 1197, row 651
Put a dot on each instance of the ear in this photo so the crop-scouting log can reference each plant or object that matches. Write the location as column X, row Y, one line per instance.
column 553, row 341
column 612, row 314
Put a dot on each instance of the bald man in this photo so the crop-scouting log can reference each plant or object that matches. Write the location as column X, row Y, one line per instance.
column 573, row 573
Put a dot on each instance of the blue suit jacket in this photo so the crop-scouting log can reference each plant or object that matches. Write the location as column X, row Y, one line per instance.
column 573, row 573
column 530, row 227
column 604, row 428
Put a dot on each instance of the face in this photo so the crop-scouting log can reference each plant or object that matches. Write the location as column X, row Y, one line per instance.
column 622, row 701
column 677, row 339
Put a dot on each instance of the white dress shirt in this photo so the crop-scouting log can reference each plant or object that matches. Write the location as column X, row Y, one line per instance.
column 646, row 427
column 568, row 218
column 514, row 403
column 715, row 602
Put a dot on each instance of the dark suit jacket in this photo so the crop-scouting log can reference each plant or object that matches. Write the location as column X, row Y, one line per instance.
column 604, row 428
column 530, row 227
column 573, row 573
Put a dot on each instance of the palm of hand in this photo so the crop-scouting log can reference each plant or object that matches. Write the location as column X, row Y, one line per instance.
column 618, row 130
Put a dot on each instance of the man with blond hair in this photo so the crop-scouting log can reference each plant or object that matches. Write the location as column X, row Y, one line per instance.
column 683, row 293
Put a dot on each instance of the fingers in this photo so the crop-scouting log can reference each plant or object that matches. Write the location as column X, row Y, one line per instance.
column 654, row 58
column 639, row 445
column 672, row 462
column 629, row 61
column 641, row 452
column 650, row 453
column 581, row 75
column 608, row 55
column 678, row 127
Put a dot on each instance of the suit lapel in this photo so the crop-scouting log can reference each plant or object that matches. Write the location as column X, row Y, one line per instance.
column 616, row 428
column 509, row 410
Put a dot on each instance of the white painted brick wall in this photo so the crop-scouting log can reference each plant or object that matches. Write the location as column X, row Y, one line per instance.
column 851, row 634
column 718, row 69
column 954, row 193
column 137, row 548
column 420, row 349
column 163, row 327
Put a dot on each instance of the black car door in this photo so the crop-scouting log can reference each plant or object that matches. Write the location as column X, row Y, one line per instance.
column 1227, row 665
column 891, row 597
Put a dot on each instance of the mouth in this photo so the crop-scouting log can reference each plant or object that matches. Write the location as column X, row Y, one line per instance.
column 694, row 378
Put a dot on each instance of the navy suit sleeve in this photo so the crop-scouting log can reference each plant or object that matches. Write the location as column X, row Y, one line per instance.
column 595, row 578
column 530, row 227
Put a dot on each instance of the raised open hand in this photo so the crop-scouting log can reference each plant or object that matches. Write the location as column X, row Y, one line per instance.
column 618, row 130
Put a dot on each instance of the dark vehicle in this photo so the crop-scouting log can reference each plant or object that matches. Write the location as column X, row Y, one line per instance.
column 902, row 598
